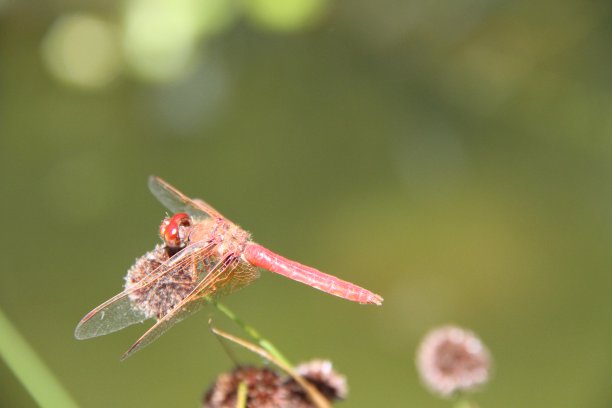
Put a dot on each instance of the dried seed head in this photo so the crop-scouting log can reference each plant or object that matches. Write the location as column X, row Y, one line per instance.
column 264, row 389
column 452, row 359
column 159, row 298
column 267, row 389
column 321, row 374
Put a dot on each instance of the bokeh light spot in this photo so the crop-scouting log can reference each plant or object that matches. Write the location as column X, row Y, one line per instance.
column 185, row 107
column 159, row 38
column 285, row 15
column 81, row 50
column 213, row 16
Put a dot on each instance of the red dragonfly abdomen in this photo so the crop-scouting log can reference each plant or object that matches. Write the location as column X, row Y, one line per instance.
column 262, row 257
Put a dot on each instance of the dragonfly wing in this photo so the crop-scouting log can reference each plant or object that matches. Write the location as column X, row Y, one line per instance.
column 177, row 202
column 226, row 276
column 180, row 313
column 112, row 315
column 118, row 312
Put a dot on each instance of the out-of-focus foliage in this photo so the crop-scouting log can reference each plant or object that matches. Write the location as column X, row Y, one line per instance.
column 454, row 157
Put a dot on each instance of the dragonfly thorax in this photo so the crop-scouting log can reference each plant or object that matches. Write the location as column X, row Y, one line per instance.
column 227, row 237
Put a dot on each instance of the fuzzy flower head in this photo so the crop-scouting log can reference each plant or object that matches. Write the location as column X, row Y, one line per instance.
column 159, row 298
column 452, row 359
column 264, row 389
column 322, row 375
column 267, row 388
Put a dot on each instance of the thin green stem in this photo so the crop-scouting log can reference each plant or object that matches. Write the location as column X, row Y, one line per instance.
column 264, row 343
column 29, row 369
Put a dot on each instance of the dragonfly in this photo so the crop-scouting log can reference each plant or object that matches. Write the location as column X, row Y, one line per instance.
column 203, row 255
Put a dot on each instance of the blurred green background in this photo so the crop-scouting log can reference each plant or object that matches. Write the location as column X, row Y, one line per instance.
column 454, row 157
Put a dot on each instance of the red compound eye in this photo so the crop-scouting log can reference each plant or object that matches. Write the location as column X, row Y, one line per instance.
column 170, row 230
column 163, row 226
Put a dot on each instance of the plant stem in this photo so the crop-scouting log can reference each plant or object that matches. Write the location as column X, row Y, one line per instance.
column 313, row 393
column 241, row 398
column 464, row 402
column 265, row 344
column 29, row 369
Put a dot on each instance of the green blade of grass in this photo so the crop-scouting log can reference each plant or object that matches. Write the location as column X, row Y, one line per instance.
column 29, row 369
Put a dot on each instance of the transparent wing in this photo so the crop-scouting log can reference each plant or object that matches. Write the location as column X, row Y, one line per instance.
column 118, row 312
column 177, row 202
column 111, row 316
column 226, row 276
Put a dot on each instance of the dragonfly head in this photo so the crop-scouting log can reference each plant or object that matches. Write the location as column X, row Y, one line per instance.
column 174, row 231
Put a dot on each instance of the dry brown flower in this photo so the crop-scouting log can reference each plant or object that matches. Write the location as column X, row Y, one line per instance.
column 159, row 298
column 266, row 388
column 322, row 375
